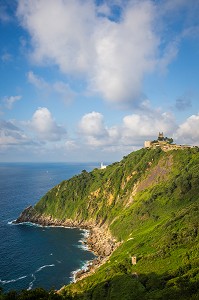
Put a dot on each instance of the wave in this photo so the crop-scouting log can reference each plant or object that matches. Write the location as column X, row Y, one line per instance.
column 39, row 225
column 12, row 222
column 12, row 280
column 31, row 283
column 34, row 277
column 84, row 267
column 42, row 267
column 25, row 223
column 85, row 233
column 83, row 247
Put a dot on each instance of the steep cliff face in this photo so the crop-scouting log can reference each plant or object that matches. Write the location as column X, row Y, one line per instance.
column 141, row 184
column 144, row 206
column 100, row 195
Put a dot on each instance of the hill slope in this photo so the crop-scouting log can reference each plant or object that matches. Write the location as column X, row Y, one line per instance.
column 149, row 203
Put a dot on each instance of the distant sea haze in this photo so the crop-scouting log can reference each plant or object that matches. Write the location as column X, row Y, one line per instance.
column 34, row 256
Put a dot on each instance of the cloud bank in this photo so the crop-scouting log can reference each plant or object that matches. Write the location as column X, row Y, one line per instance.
column 133, row 131
column 41, row 134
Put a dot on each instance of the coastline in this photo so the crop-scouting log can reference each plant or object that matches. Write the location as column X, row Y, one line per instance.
column 96, row 239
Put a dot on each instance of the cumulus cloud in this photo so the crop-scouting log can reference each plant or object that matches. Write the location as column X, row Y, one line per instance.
column 92, row 128
column 92, row 124
column 45, row 127
column 114, row 56
column 188, row 132
column 9, row 101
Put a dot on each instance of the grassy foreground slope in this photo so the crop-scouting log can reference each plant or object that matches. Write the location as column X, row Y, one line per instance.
column 149, row 202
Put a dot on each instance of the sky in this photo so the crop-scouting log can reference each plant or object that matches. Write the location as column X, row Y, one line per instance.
column 91, row 80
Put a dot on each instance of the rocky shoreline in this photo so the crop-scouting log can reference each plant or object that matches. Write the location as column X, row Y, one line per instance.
column 99, row 239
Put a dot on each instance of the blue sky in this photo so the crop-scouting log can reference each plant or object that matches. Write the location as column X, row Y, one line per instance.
column 92, row 80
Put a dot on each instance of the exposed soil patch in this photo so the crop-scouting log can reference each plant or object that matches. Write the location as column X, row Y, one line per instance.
column 157, row 174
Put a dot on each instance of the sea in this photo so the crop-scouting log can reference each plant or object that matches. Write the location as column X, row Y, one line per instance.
column 30, row 255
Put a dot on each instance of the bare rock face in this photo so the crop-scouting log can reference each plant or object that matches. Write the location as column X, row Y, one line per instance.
column 27, row 215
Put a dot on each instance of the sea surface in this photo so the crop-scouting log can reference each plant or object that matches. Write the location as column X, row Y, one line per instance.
column 33, row 256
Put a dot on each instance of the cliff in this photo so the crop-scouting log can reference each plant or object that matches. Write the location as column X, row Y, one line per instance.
column 146, row 206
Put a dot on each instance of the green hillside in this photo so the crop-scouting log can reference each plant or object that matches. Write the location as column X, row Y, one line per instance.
column 149, row 203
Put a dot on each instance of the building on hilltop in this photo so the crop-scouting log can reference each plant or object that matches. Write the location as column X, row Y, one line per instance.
column 164, row 143
column 160, row 136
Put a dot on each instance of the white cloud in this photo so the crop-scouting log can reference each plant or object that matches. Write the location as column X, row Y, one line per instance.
column 125, row 53
column 139, row 126
column 59, row 31
column 11, row 135
column 188, row 132
column 37, row 81
column 60, row 88
column 170, row 52
column 94, row 131
column 92, row 124
column 45, row 127
column 113, row 56
column 9, row 101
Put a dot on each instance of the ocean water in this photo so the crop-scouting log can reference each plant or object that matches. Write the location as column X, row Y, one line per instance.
column 33, row 256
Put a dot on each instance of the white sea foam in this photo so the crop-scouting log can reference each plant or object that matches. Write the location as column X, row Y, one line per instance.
column 83, row 247
column 73, row 275
column 32, row 282
column 84, row 267
column 24, row 223
column 12, row 222
column 34, row 277
column 85, row 233
column 42, row 267
column 12, row 280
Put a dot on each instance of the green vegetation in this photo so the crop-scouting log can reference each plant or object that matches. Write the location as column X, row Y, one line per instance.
column 149, row 201
column 35, row 294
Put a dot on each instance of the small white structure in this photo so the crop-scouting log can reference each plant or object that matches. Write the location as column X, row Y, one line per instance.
column 102, row 166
